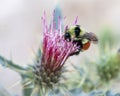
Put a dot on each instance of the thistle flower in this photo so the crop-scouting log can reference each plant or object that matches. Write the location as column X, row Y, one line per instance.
column 47, row 71
column 55, row 51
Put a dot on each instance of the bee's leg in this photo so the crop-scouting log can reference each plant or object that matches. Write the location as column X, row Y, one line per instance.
column 75, row 53
column 67, row 36
column 78, row 51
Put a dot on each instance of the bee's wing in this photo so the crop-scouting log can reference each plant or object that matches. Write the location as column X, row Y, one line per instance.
column 91, row 36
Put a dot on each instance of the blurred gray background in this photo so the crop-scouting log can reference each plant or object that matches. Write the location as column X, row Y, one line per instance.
column 20, row 28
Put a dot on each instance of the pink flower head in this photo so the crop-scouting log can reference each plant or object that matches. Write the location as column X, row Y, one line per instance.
column 55, row 48
column 55, row 51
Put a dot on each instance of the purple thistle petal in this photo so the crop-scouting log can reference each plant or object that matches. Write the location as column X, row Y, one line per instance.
column 56, row 49
column 75, row 22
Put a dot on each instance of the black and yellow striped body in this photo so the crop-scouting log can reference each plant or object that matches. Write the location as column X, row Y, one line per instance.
column 76, row 34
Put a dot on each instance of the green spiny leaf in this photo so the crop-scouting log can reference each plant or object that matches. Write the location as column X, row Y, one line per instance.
column 11, row 65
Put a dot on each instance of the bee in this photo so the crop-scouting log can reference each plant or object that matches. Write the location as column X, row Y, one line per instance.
column 78, row 36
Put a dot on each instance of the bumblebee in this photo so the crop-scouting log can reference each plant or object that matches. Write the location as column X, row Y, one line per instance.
column 78, row 36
